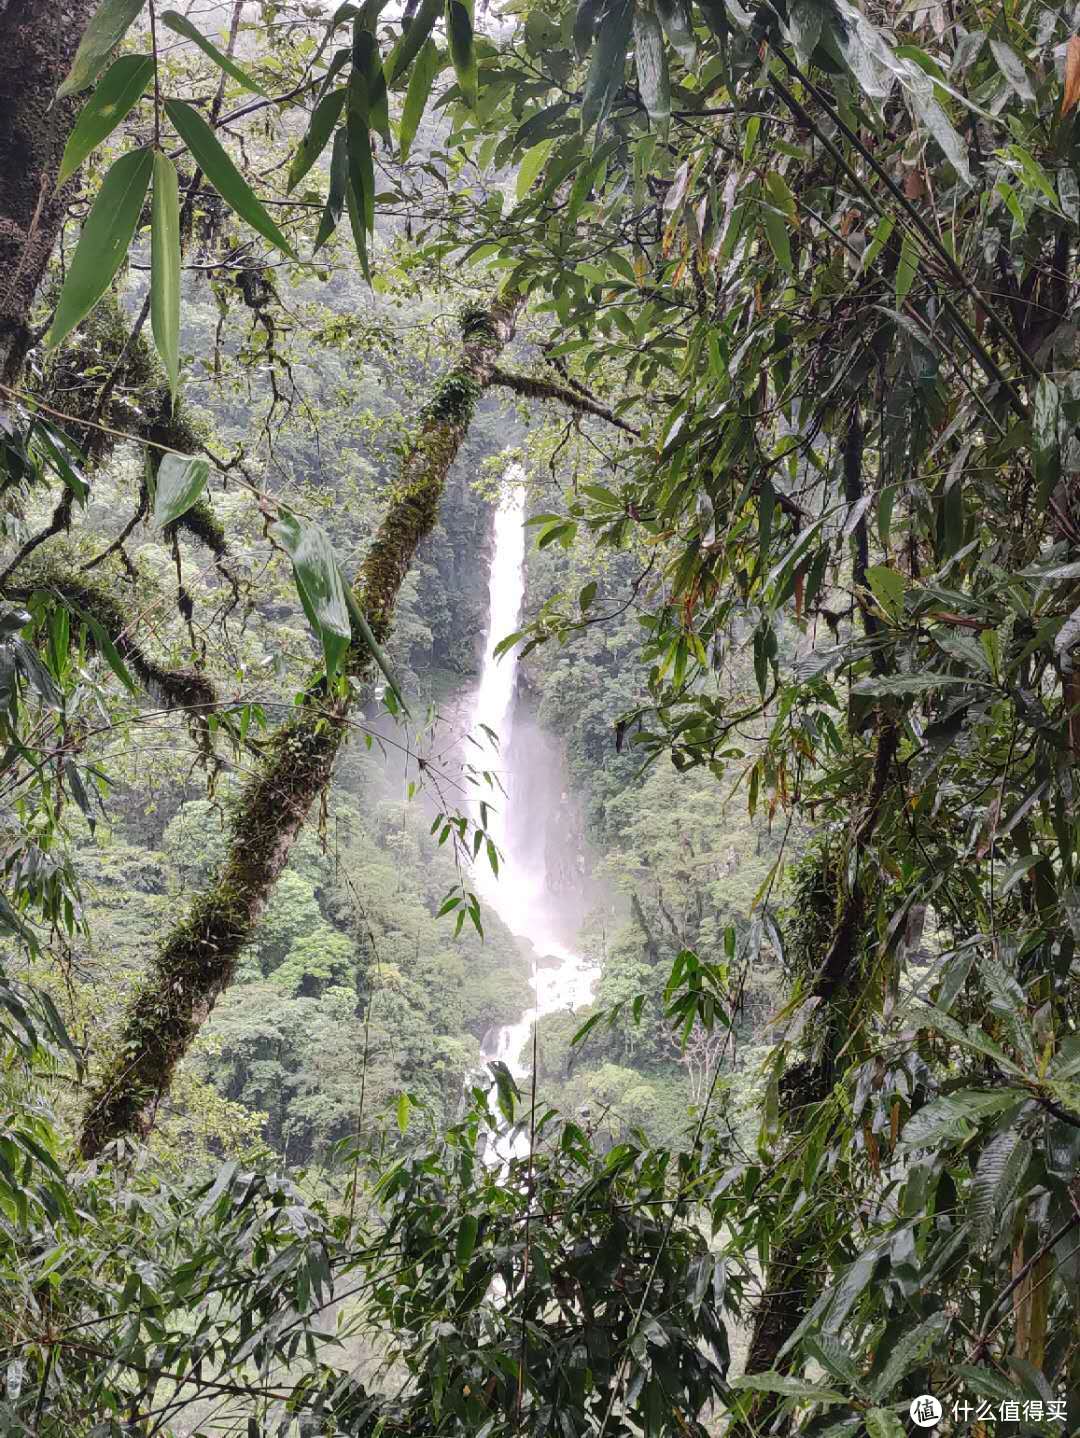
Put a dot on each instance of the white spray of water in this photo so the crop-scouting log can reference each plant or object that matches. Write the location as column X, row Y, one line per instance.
column 520, row 895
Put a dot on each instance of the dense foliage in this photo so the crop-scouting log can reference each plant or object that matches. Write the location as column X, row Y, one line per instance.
column 794, row 285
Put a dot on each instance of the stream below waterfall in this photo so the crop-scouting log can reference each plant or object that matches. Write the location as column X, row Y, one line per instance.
column 521, row 895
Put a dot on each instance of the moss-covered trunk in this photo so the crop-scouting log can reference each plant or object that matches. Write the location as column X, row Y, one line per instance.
column 38, row 40
column 198, row 958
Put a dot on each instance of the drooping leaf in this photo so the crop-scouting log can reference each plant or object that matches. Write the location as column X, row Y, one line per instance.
column 466, row 1240
column 335, row 196
column 323, row 119
column 650, row 59
column 319, row 581
column 367, row 83
column 416, row 96
column 180, row 480
column 103, row 242
column 165, row 266
column 585, row 17
column 361, row 162
column 113, row 99
column 219, row 169
column 608, row 62
column 412, row 39
column 459, row 30
column 183, row 26
column 105, row 31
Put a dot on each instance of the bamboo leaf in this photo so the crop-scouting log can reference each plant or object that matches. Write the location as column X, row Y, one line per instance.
column 339, row 184
column 180, row 481
column 114, row 98
column 459, row 29
column 104, row 241
column 412, row 39
column 165, row 266
column 428, row 64
column 606, row 70
column 108, row 27
column 219, row 169
column 183, row 26
column 652, row 71
column 323, row 119
column 906, row 267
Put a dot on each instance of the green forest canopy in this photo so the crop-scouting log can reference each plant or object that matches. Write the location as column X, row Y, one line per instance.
column 784, row 297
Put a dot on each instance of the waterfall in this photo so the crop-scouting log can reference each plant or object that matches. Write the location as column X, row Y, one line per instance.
column 520, row 894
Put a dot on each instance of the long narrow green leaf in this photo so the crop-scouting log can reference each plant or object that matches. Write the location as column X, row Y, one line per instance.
column 416, row 97
column 652, row 70
column 459, row 29
column 412, row 39
column 165, row 266
column 101, row 37
column 361, row 163
column 339, row 184
column 115, row 97
column 359, row 233
column 222, row 173
column 104, row 242
column 359, row 619
column 183, row 26
column 323, row 119
column 367, row 84
column 606, row 70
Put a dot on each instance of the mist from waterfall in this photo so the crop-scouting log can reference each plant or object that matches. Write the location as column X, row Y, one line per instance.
column 520, row 895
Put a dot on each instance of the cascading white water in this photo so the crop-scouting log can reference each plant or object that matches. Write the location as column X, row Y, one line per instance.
column 520, row 895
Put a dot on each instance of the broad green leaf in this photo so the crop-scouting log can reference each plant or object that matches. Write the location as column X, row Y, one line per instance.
column 888, row 588
column 799, row 1388
column 183, row 26
column 880, row 1423
column 412, row 39
column 319, row 581
column 403, row 1107
column 108, row 27
column 114, row 98
column 776, row 230
column 207, row 151
column 180, row 481
column 428, row 63
column 104, row 241
column 459, row 30
column 165, row 266
column 532, row 162
column 323, row 119
column 335, row 196
column 650, row 59
column 608, row 62
column 949, row 1117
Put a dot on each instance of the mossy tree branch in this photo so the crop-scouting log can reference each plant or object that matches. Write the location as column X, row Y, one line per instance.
column 197, row 960
column 531, row 387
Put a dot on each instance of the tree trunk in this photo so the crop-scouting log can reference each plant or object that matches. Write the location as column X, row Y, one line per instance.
column 38, row 40
column 198, row 958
